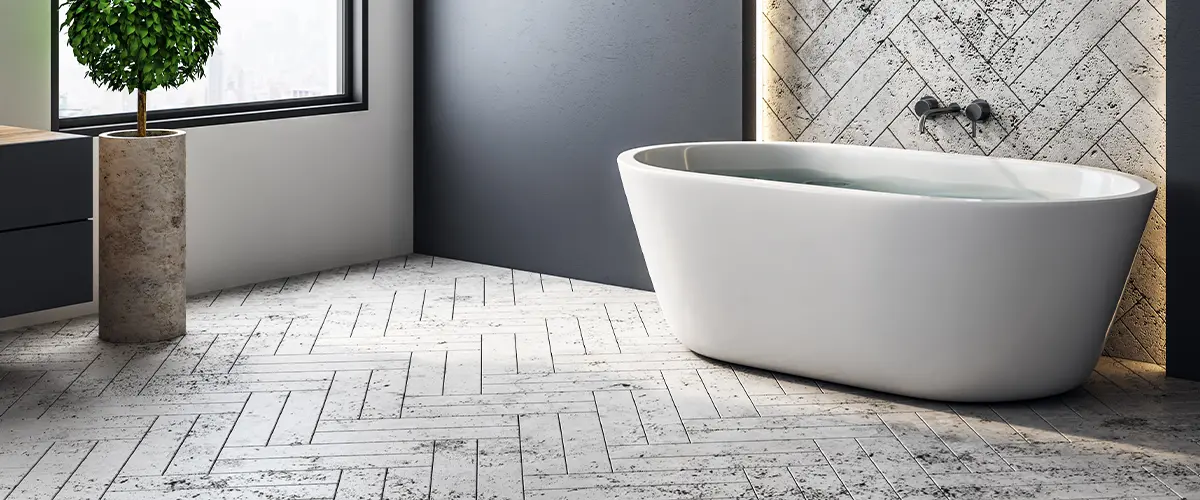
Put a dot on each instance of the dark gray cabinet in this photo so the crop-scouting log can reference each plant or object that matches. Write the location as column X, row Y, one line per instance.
column 46, row 225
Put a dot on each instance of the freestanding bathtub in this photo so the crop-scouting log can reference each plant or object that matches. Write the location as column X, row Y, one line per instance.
column 932, row 275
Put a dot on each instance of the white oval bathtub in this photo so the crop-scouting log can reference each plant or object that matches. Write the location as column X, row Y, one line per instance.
column 933, row 275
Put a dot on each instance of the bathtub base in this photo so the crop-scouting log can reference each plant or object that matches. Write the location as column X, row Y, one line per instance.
column 948, row 388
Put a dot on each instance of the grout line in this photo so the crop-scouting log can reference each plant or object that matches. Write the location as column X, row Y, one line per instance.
column 513, row 280
column 238, row 357
column 1095, row 47
column 516, row 354
column 603, row 437
column 774, row 71
column 30, row 470
column 957, row 74
column 248, row 294
column 638, row 412
column 1164, row 483
column 1138, row 373
column 453, row 298
column 73, row 471
column 160, row 365
column 432, row 460
column 861, row 20
column 138, row 350
column 1121, row 320
column 984, row 10
column 886, row 83
column 563, row 440
column 549, row 347
column 1066, row 26
column 317, row 335
column 367, row 390
column 1144, row 148
column 356, row 316
column 582, row 337
column 65, row 391
column 404, row 395
column 987, row 58
column 880, row 471
column 1100, row 137
column 125, row 462
column 1051, row 424
column 1110, row 60
column 446, row 372
column 801, row 18
column 981, row 438
column 671, row 397
column 324, row 401
column 1010, row 425
column 836, row 474
column 278, row 417
column 1077, row 112
column 195, row 418
column 205, row 355
column 283, row 337
column 934, row 92
column 388, row 322
column 914, row 455
column 228, row 433
column 754, row 490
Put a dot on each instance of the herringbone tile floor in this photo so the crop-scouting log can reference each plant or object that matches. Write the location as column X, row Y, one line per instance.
column 415, row 378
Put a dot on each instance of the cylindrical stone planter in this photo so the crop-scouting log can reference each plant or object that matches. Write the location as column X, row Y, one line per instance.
column 142, row 238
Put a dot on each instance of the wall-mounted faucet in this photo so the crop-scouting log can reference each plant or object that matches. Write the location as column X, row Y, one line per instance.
column 978, row 111
column 929, row 106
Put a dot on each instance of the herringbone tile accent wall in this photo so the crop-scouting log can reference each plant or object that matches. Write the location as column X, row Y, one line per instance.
column 1075, row 81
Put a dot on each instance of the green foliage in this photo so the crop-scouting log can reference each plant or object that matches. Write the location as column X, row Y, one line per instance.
column 141, row 45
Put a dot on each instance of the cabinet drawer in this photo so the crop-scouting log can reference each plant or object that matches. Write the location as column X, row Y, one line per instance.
column 45, row 267
column 46, row 182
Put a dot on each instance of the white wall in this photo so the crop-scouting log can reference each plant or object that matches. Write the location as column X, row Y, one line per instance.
column 25, row 63
column 265, row 199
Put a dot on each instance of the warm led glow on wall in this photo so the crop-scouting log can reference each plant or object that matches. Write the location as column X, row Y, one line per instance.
column 760, row 68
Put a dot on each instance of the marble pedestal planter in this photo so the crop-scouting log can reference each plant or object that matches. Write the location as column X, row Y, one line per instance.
column 142, row 238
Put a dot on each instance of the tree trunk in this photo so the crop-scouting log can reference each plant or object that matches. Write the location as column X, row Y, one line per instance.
column 141, row 117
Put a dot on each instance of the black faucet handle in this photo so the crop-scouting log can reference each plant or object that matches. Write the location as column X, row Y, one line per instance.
column 979, row 110
column 924, row 104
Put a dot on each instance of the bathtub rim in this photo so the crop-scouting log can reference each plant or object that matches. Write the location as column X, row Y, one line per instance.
column 627, row 160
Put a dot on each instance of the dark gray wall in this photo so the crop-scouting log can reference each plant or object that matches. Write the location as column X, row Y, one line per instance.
column 523, row 106
column 1183, row 188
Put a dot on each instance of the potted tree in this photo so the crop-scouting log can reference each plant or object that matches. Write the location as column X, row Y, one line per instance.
column 140, row 46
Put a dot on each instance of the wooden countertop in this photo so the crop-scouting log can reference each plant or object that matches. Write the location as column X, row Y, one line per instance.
column 16, row 135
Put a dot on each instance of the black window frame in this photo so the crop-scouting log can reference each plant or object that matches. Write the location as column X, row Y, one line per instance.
column 352, row 99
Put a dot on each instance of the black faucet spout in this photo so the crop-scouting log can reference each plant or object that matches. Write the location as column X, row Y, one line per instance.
column 952, row 108
column 929, row 106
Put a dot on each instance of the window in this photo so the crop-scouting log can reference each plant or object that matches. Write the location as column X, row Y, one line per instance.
column 274, row 59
